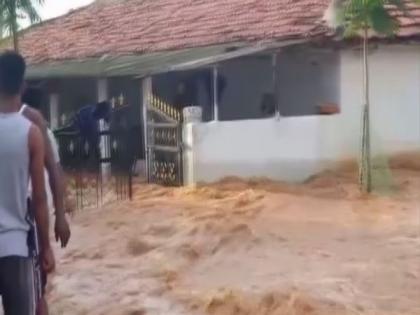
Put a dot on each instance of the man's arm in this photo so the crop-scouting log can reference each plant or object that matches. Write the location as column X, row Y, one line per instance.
column 39, row 197
column 55, row 175
column 56, row 181
column 61, row 226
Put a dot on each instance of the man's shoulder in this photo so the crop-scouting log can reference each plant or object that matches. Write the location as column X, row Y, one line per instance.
column 30, row 112
column 34, row 116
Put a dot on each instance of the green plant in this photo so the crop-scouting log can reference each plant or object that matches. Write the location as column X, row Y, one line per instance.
column 361, row 18
column 12, row 12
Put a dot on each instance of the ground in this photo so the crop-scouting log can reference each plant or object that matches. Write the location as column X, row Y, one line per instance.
column 248, row 248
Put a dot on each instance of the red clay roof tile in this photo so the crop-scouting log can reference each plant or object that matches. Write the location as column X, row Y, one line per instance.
column 126, row 27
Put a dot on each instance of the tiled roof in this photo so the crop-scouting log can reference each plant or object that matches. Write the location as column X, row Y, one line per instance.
column 124, row 27
column 127, row 27
column 410, row 21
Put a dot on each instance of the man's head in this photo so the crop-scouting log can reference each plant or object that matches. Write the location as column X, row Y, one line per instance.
column 32, row 96
column 12, row 73
column 102, row 111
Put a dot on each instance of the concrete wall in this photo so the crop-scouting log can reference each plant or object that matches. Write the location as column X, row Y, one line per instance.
column 294, row 148
column 288, row 149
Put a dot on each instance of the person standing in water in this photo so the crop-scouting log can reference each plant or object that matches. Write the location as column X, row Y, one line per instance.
column 32, row 99
column 22, row 158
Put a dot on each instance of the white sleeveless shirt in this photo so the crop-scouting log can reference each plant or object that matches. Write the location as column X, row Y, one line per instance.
column 14, row 178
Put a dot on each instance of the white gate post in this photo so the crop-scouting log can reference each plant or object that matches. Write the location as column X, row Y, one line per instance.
column 274, row 82
column 54, row 111
column 147, row 94
column 215, row 93
column 102, row 95
column 192, row 117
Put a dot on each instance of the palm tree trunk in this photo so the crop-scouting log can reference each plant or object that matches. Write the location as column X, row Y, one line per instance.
column 14, row 24
column 365, row 169
column 15, row 36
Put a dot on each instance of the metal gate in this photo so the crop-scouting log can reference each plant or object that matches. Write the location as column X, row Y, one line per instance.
column 164, row 143
column 84, row 163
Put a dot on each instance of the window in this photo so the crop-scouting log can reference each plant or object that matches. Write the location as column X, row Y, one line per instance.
column 248, row 88
column 308, row 81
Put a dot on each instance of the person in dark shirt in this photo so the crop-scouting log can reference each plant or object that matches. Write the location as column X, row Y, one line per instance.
column 86, row 123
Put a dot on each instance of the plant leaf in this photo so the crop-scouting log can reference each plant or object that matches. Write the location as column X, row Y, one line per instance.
column 381, row 21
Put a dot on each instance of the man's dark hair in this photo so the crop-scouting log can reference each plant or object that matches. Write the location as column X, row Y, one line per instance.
column 33, row 97
column 102, row 111
column 12, row 72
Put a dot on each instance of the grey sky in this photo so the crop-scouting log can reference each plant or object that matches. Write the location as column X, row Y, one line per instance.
column 53, row 8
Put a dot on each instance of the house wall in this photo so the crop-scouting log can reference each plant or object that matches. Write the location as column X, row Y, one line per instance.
column 395, row 97
column 307, row 79
column 294, row 148
column 247, row 79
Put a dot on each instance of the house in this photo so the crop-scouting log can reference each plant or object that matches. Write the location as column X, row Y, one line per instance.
column 264, row 73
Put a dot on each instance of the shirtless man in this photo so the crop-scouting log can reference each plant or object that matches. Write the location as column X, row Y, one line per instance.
column 31, row 100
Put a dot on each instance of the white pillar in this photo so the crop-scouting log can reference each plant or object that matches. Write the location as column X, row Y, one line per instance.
column 147, row 93
column 274, row 82
column 102, row 89
column 102, row 95
column 215, row 94
column 54, row 111
column 188, row 154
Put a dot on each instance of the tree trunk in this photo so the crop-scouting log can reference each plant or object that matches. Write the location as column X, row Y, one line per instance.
column 15, row 36
column 365, row 168
column 13, row 25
